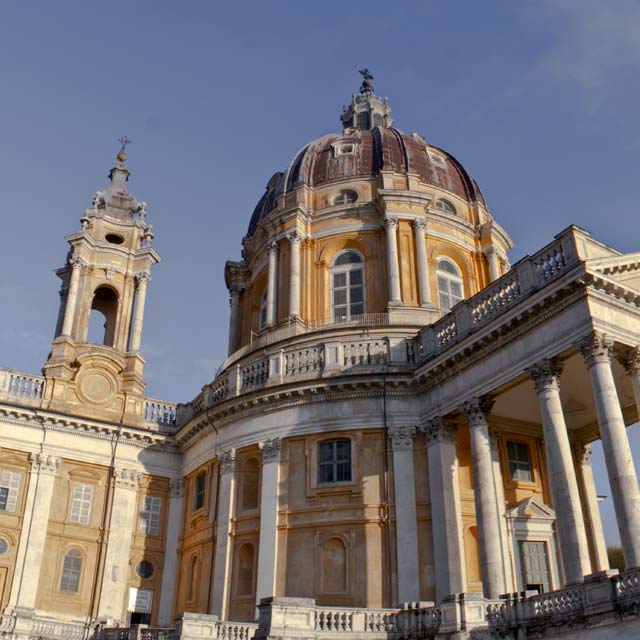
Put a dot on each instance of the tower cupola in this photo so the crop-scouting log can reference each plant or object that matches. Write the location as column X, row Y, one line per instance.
column 367, row 110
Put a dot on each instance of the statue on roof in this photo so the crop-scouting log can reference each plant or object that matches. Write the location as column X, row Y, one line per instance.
column 366, row 86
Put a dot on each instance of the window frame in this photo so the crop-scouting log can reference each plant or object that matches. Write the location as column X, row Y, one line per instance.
column 76, row 571
column 335, row 199
column 449, row 277
column 82, row 517
column 347, row 269
column 334, row 462
column 509, row 460
column 145, row 523
column 196, row 492
column 10, row 481
column 262, row 309
column 444, row 205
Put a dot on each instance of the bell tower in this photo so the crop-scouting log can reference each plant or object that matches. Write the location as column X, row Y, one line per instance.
column 95, row 366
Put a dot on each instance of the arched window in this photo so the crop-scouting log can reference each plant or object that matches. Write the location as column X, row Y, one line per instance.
column 347, row 283
column 334, row 461
column 244, row 575
column 334, row 566
column 262, row 321
column 250, row 484
column 449, row 284
column 102, row 321
column 71, row 568
column 446, row 206
column 346, row 196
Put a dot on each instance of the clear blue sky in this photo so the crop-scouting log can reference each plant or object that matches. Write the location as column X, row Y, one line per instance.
column 538, row 99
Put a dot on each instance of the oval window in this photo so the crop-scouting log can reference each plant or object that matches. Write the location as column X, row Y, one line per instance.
column 144, row 569
column 114, row 238
column 4, row 546
column 345, row 197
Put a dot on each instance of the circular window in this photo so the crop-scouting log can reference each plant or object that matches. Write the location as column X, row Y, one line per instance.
column 144, row 569
column 114, row 238
column 4, row 546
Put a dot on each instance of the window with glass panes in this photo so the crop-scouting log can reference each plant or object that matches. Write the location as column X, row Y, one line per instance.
column 9, row 485
column 150, row 516
column 334, row 461
column 81, row 503
column 70, row 580
column 449, row 284
column 347, row 277
column 519, row 461
column 199, row 492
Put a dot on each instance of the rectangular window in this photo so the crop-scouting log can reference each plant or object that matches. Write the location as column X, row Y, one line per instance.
column 9, row 485
column 70, row 579
column 150, row 516
column 334, row 461
column 519, row 461
column 199, row 491
column 81, row 503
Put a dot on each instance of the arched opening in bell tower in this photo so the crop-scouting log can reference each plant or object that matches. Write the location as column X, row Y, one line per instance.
column 103, row 315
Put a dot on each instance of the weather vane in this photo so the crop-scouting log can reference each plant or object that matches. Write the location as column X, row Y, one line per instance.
column 125, row 141
column 366, row 81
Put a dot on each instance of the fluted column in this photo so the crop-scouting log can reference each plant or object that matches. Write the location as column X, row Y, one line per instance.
column 593, row 523
column 393, row 266
column 141, row 295
column 171, row 565
column 597, row 350
column 72, row 297
column 420, row 229
column 268, row 549
column 494, row 261
column 562, row 477
column 271, row 282
column 485, row 498
column 222, row 565
column 294, row 276
column 234, row 302
column 33, row 533
column 446, row 517
column 406, row 519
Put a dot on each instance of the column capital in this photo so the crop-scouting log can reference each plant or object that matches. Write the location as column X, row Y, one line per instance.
column 391, row 223
column 490, row 250
column 235, row 289
column 630, row 360
column 227, row 461
column 545, row 374
column 142, row 278
column 270, row 450
column 126, row 478
column 440, row 429
column 45, row 463
column 476, row 410
column 420, row 225
column 582, row 452
column 75, row 262
column 273, row 246
column 176, row 487
column 294, row 237
column 596, row 347
column 402, row 438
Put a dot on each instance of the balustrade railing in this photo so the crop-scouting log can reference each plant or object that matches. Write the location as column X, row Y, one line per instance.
column 161, row 413
column 304, row 360
column 236, row 630
column 254, row 374
column 365, row 352
column 333, row 620
column 26, row 388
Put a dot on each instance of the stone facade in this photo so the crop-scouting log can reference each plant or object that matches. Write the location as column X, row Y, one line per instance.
column 401, row 451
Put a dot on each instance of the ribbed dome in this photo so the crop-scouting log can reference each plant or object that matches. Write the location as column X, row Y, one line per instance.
column 375, row 150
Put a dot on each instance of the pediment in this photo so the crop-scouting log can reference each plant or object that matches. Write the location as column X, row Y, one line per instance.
column 531, row 508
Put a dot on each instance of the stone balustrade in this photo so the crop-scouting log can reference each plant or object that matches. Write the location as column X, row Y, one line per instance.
column 160, row 413
column 21, row 387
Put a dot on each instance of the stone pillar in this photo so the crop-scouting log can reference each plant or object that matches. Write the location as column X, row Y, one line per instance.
column 294, row 275
column 234, row 320
column 597, row 349
column 593, row 523
column 171, row 565
column 494, row 261
column 33, row 534
column 72, row 297
column 508, row 571
column 392, row 259
column 420, row 229
column 141, row 294
column 222, row 564
column 485, row 498
column 562, row 477
column 406, row 518
column 121, row 526
column 446, row 517
column 268, row 549
column 272, row 282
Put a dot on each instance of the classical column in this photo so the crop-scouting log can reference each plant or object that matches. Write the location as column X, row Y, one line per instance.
column 170, row 569
column 141, row 294
column 446, row 517
column 121, row 526
column 485, row 498
column 508, row 572
column 268, row 549
column 33, row 534
column 406, row 519
column 593, row 524
column 234, row 328
column 271, row 282
column 562, row 477
column 294, row 275
column 72, row 296
column 392, row 259
column 222, row 564
column 420, row 229
column 597, row 349
column 494, row 261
